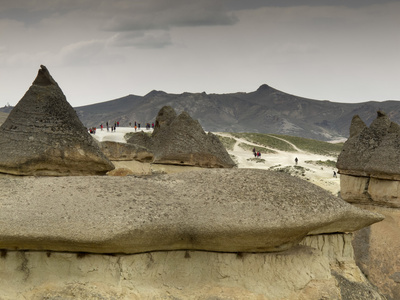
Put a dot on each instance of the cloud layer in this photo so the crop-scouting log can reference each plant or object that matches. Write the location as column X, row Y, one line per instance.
column 99, row 50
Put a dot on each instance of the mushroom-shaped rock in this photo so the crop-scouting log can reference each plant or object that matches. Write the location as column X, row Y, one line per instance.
column 228, row 210
column 44, row 136
column 180, row 140
column 371, row 151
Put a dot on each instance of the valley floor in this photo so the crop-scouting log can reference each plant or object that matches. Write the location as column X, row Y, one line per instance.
column 278, row 161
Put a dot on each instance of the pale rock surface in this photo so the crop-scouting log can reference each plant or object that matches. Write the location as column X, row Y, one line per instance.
column 172, row 169
column 44, row 136
column 370, row 191
column 377, row 249
column 121, row 172
column 203, row 210
column 321, row 268
column 135, row 167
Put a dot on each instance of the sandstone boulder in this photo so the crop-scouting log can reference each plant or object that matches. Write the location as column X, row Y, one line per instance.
column 180, row 140
column 44, row 136
column 227, row 210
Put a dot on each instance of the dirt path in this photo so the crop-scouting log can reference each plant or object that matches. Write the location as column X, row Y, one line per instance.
column 321, row 176
column 291, row 144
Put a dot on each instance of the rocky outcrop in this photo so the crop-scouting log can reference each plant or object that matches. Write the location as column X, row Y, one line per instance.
column 370, row 178
column 370, row 191
column 372, row 151
column 141, row 139
column 322, row 267
column 203, row 210
column 43, row 136
column 165, row 117
column 377, row 250
column 180, row 140
column 125, row 152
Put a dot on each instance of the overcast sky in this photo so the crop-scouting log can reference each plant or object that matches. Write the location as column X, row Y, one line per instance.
column 98, row 50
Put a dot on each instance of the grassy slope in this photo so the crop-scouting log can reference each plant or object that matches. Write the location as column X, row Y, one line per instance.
column 269, row 141
column 264, row 140
column 313, row 146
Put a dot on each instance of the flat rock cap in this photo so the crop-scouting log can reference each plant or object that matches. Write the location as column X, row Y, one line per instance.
column 227, row 210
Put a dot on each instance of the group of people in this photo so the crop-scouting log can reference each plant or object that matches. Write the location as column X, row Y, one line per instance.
column 114, row 126
column 137, row 125
column 257, row 154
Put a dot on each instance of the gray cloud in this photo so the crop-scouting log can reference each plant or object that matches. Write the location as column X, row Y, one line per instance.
column 157, row 14
column 142, row 39
column 318, row 49
column 254, row 4
column 150, row 19
column 177, row 13
column 127, row 14
column 32, row 12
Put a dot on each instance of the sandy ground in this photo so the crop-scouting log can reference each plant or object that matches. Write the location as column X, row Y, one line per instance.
column 117, row 135
column 321, row 176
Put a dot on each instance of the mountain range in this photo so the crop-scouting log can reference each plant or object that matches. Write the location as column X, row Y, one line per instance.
column 266, row 110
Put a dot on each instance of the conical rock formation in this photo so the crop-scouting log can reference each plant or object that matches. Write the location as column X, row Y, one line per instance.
column 371, row 151
column 44, row 136
column 180, row 140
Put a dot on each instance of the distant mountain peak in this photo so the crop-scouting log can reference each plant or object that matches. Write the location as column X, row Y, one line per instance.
column 265, row 87
column 154, row 93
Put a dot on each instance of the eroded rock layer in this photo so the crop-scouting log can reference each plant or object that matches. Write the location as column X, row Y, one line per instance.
column 321, row 268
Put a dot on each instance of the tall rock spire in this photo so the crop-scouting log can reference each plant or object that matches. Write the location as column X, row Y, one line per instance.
column 44, row 136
